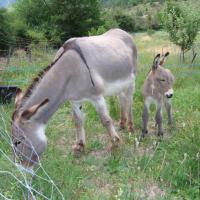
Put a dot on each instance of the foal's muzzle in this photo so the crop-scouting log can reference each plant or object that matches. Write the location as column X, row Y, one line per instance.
column 169, row 96
column 169, row 93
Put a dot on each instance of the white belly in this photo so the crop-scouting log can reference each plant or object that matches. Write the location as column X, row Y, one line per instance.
column 114, row 88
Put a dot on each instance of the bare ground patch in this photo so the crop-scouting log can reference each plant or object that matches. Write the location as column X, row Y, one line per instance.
column 161, row 49
column 146, row 38
column 149, row 191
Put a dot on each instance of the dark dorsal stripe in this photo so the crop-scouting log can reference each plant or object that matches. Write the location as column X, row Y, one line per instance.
column 72, row 45
column 77, row 48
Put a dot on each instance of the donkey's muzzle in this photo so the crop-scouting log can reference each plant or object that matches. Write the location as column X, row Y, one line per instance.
column 169, row 93
column 169, row 96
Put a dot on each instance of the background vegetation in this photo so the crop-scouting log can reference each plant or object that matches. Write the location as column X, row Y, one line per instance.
column 155, row 169
column 54, row 21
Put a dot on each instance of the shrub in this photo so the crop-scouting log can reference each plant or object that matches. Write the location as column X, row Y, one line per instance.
column 126, row 22
column 97, row 31
column 5, row 31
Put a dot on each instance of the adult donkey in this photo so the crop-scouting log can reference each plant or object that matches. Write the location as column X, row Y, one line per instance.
column 84, row 69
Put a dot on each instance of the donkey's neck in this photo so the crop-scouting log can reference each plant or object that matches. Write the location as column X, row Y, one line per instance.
column 53, row 87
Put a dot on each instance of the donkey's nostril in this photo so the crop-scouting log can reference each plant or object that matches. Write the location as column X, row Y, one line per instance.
column 17, row 142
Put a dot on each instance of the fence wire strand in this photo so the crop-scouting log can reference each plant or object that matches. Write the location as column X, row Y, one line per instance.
column 24, row 178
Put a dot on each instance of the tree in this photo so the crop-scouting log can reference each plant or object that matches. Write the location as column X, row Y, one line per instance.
column 125, row 21
column 5, row 31
column 59, row 19
column 182, row 22
column 76, row 18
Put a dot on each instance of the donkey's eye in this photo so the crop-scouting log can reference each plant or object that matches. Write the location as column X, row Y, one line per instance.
column 161, row 80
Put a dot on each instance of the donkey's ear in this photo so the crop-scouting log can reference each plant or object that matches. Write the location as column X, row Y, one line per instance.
column 27, row 114
column 156, row 62
column 166, row 54
column 18, row 97
column 163, row 59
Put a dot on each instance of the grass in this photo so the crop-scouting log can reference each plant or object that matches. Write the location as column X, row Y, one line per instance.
column 162, row 169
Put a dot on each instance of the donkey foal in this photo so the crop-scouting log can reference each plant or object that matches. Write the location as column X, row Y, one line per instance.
column 157, row 89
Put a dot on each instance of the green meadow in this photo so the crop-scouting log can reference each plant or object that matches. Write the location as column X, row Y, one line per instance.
column 154, row 169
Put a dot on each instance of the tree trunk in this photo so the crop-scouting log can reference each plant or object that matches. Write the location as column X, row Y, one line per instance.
column 183, row 56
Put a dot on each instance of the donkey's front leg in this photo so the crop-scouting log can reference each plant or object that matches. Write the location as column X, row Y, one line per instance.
column 79, row 123
column 168, row 107
column 106, row 120
column 145, row 118
column 158, row 119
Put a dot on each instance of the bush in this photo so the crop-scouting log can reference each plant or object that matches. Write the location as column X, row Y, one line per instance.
column 5, row 30
column 140, row 24
column 125, row 22
column 61, row 18
column 97, row 31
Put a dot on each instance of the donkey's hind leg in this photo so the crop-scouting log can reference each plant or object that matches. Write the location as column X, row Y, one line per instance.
column 123, row 110
column 126, row 99
column 106, row 120
column 79, row 123
column 130, row 93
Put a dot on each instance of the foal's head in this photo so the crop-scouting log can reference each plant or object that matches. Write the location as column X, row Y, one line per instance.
column 162, row 79
column 28, row 137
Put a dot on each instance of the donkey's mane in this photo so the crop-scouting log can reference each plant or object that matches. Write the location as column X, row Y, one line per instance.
column 36, row 80
column 42, row 73
column 67, row 46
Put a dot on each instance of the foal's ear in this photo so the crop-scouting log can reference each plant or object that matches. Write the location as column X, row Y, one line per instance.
column 163, row 59
column 19, row 95
column 156, row 62
column 27, row 114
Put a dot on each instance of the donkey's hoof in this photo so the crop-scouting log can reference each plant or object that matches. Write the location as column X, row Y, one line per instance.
column 160, row 133
column 131, row 129
column 170, row 123
column 144, row 132
column 117, row 141
column 78, row 149
column 142, row 135
column 122, row 125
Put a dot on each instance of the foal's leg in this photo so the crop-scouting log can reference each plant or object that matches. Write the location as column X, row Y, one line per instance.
column 106, row 120
column 168, row 107
column 145, row 116
column 145, row 119
column 79, row 123
column 158, row 119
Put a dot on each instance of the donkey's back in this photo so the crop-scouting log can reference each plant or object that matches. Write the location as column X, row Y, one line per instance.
column 111, row 59
column 113, row 55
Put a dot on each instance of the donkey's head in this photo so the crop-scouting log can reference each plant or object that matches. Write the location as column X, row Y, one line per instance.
column 28, row 137
column 162, row 78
